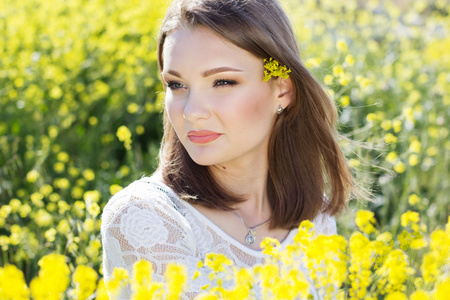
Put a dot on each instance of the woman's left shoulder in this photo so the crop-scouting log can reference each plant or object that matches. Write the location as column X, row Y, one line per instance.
column 325, row 224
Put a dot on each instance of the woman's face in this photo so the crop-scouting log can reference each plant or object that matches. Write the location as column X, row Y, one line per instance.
column 217, row 102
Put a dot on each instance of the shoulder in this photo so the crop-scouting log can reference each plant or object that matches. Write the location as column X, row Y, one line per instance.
column 325, row 224
column 142, row 198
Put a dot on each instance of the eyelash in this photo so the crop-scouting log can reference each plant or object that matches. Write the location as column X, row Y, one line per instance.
column 175, row 86
column 172, row 85
column 222, row 81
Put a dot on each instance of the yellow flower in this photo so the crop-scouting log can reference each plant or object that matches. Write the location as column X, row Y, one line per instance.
column 273, row 68
column 101, row 293
column 140, row 130
column 364, row 220
column 391, row 157
column 399, row 167
column 345, row 79
column 88, row 225
column 46, row 189
column 142, row 271
column 443, row 289
column 328, row 79
column 24, row 210
column 350, row 60
column 176, row 277
column 77, row 192
column 53, row 278
column 419, row 295
column 371, row 118
column 409, row 217
column 94, row 209
column 63, row 227
column 386, row 125
column 36, row 199
column 338, row 71
column 415, row 146
column 390, row 138
column 141, row 283
column 396, row 268
column 396, row 296
column 313, row 62
column 133, row 108
column 56, row 92
column 119, row 279
column 354, row 163
column 58, row 167
column 89, row 174
column 217, row 262
column 432, row 151
column 61, row 183
column 418, row 242
column 363, row 81
column 397, row 125
column 91, row 196
column 93, row 121
column 50, row 235
column 63, row 157
column 54, row 197
column 341, row 46
column 12, row 284
column 413, row 160
column 124, row 135
column 32, row 176
column 43, row 218
column 15, row 205
column 53, row 131
column 124, row 170
column 74, row 172
column 115, row 188
column 345, row 101
column 85, row 279
column 413, row 199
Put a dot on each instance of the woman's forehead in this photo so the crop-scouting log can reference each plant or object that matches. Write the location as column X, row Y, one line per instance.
column 202, row 46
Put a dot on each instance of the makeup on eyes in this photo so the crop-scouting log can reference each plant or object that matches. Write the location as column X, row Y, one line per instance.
column 227, row 81
column 175, row 85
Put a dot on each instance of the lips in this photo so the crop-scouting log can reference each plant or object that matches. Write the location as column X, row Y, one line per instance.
column 203, row 136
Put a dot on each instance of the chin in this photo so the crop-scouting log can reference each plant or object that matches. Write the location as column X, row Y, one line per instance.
column 202, row 161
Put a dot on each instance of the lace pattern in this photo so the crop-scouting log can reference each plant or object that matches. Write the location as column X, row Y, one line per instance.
column 147, row 220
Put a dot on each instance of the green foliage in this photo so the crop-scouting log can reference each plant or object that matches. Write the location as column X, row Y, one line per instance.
column 71, row 73
column 387, row 66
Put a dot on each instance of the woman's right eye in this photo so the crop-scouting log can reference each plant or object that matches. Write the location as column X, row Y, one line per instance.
column 174, row 85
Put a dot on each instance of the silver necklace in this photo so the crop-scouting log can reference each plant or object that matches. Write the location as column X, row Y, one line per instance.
column 251, row 235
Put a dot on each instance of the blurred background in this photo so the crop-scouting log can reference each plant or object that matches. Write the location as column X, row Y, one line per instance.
column 81, row 101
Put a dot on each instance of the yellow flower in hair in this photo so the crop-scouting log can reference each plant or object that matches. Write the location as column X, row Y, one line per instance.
column 273, row 68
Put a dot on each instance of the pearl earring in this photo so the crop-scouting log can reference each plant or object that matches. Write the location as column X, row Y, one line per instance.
column 280, row 109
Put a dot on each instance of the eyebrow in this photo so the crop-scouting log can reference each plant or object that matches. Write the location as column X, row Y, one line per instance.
column 208, row 72
column 174, row 73
column 219, row 70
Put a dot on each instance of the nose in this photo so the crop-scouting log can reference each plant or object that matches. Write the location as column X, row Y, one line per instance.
column 196, row 107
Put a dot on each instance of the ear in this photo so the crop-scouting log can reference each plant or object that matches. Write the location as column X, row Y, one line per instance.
column 285, row 91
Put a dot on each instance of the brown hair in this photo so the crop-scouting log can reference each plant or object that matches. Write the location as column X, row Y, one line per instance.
column 305, row 161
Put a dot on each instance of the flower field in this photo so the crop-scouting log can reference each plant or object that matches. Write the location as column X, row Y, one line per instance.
column 80, row 103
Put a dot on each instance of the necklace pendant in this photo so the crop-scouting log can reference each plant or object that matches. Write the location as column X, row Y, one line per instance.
column 250, row 238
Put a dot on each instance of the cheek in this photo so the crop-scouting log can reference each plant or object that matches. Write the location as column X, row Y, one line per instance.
column 256, row 107
column 174, row 111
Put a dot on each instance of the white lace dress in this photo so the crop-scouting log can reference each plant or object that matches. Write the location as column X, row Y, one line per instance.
column 147, row 220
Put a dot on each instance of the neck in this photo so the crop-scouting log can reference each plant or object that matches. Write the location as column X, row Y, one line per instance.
column 250, row 182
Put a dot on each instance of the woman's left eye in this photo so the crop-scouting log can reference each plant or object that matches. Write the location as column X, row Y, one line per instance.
column 224, row 82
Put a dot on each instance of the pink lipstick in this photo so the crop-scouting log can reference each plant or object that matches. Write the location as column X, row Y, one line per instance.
column 203, row 136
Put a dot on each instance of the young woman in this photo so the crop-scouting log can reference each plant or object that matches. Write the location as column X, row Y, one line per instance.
column 243, row 157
